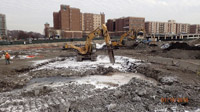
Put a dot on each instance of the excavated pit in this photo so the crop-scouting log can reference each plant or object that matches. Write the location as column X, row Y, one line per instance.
column 99, row 74
column 64, row 85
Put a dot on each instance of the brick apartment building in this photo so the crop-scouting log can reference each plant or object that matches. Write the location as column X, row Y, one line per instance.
column 3, row 29
column 156, row 27
column 170, row 27
column 91, row 21
column 71, row 23
column 182, row 28
column 118, row 26
column 195, row 29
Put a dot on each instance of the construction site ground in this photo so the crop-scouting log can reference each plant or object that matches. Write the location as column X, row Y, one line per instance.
column 45, row 78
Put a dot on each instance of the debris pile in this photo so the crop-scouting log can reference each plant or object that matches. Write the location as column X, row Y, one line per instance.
column 137, row 95
column 183, row 46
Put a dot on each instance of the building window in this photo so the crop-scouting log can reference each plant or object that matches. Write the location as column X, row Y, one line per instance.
column 64, row 8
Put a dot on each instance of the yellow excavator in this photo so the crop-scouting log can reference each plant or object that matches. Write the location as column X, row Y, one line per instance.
column 88, row 50
column 119, row 43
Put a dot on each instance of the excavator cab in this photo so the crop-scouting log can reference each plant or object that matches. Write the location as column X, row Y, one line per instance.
column 140, row 36
column 140, row 33
column 94, row 49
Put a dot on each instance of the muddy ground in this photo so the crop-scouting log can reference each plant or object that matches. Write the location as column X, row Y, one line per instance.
column 171, row 79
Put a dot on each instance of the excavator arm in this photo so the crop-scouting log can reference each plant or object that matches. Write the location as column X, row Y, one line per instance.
column 108, row 43
column 119, row 43
column 123, row 36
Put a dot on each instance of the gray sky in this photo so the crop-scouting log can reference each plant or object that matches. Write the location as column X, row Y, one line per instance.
column 30, row 15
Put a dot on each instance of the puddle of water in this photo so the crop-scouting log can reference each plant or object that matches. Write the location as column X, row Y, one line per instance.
column 107, row 81
column 110, row 81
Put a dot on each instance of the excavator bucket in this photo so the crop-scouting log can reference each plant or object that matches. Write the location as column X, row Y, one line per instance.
column 111, row 54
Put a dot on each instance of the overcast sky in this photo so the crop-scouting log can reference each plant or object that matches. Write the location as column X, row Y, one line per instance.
column 30, row 15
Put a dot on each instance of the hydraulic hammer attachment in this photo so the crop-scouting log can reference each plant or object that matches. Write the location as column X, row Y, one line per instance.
column 111, row 54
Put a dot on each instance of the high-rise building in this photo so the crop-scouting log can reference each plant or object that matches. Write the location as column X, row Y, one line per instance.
column 120, row 25
column 111, row 25
column 92, row 21
column 151, row 27
column 195, row 29
column 67, row 18
column 3, row 29
column 70, row 22
column 97, row 20
column 154, row 27
column 88, row 21
column 182, row 28
column 170, row 27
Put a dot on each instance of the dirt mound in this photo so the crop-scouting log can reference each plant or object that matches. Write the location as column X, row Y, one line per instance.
column 194, row 42
column 139, row 46
column 183, row 46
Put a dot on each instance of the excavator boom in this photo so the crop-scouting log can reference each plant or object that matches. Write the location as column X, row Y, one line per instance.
column 124, row 35
column 119, row 43
column 108, row 44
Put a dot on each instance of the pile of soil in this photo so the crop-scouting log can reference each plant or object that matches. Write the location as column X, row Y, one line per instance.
column 194, row 42
column 183, row 46
column 139, row 46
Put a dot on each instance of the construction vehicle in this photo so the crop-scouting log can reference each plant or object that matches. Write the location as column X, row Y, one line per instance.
column 120, row 43
column 152, row 41
column 88, row 50
column 141, row 38
column 140, row 35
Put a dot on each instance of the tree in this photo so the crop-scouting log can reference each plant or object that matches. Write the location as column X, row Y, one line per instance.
column 22, row 35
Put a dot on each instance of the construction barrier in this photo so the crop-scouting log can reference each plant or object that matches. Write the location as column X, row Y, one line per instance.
column 47, row 41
